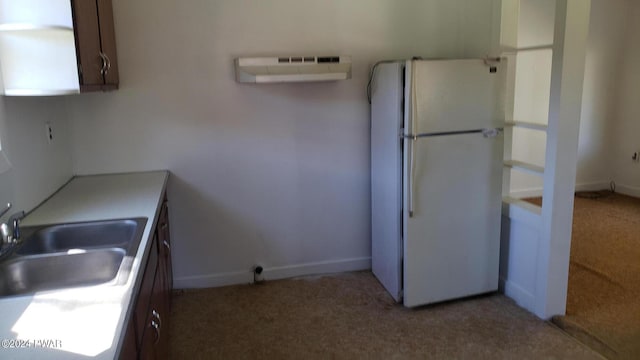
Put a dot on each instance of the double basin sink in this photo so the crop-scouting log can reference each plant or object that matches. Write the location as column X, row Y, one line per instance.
column 52, row 257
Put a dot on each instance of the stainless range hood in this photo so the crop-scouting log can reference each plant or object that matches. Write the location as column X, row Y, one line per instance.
column 292, row 69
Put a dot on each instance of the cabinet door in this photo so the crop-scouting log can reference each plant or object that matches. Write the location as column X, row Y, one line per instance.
column 95, row 44
column 155, row 341
column 152, row 329
column 129, row 349
column 162, row 307
column 165, row 246
column 108, row 42
column 87, row 34
column 145, row 297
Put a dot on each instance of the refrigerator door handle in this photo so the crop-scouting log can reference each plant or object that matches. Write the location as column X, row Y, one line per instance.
column 413, row 117
column 412, row 139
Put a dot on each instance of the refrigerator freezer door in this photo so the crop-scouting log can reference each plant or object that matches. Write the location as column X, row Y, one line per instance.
column 386, row 177
column 454, row 95
column 451, row 244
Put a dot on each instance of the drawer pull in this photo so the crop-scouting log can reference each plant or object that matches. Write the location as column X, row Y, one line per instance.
column 157, row 316
column 166, row 244
column 106, row 64
column 157, row 329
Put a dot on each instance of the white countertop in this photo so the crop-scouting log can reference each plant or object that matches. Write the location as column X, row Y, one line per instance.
column 84, row 322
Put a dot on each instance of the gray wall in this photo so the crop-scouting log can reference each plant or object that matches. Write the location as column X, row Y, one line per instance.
column 270, row 174
column 603, row 75
column 38, row 168
column 625, row 137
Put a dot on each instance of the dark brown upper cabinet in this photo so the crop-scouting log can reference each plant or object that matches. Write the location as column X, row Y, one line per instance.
column 95, row 45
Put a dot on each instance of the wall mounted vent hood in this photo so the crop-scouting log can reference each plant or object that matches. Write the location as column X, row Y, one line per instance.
column 292, row 69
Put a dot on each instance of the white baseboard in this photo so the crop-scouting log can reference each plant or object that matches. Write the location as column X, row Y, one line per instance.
column 521, row 296
column 213, row 280
column 594, row 186
column 628, row 190
column 324, row 267
column 273, row 273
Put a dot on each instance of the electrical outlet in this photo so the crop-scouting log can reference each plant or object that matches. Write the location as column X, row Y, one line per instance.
column 48, row 132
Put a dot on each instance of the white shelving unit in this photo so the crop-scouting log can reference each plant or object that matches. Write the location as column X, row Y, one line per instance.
column 543, row 111
column 529, row 100
column 37, row 48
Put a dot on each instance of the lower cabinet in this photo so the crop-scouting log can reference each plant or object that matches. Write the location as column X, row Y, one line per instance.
column 129, row 348
column 148, row 330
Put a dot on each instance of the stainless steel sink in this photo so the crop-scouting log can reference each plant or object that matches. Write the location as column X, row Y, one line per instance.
column 123, row 234
column 69, row 255
column 28, row 274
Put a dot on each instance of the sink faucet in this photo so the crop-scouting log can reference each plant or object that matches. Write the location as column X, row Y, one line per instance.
column 5, row 210
column 10, row 233
column 14, row 220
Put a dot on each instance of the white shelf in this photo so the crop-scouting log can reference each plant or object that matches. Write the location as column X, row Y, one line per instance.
column 535, row 48
column 48, row 12
column 535, row 209
column 40, row 92
column 37, row 61
column 37, row 48
column 511, row 50
column 33, row 27
column 521, row 165
column 527, row 125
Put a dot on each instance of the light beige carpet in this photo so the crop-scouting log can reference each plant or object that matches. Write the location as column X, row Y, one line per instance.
column 350, row 316
column 603, row 300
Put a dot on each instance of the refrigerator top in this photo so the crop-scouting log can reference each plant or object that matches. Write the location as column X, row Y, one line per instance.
column 453, row 95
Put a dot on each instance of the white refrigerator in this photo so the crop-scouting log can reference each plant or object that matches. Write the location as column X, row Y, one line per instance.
column 436, row 177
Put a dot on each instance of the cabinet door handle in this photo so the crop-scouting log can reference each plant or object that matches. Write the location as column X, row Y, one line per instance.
column 106, row 64
column 103, row 57
column 157, row 316
column 166, row 244
column 156, row 327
